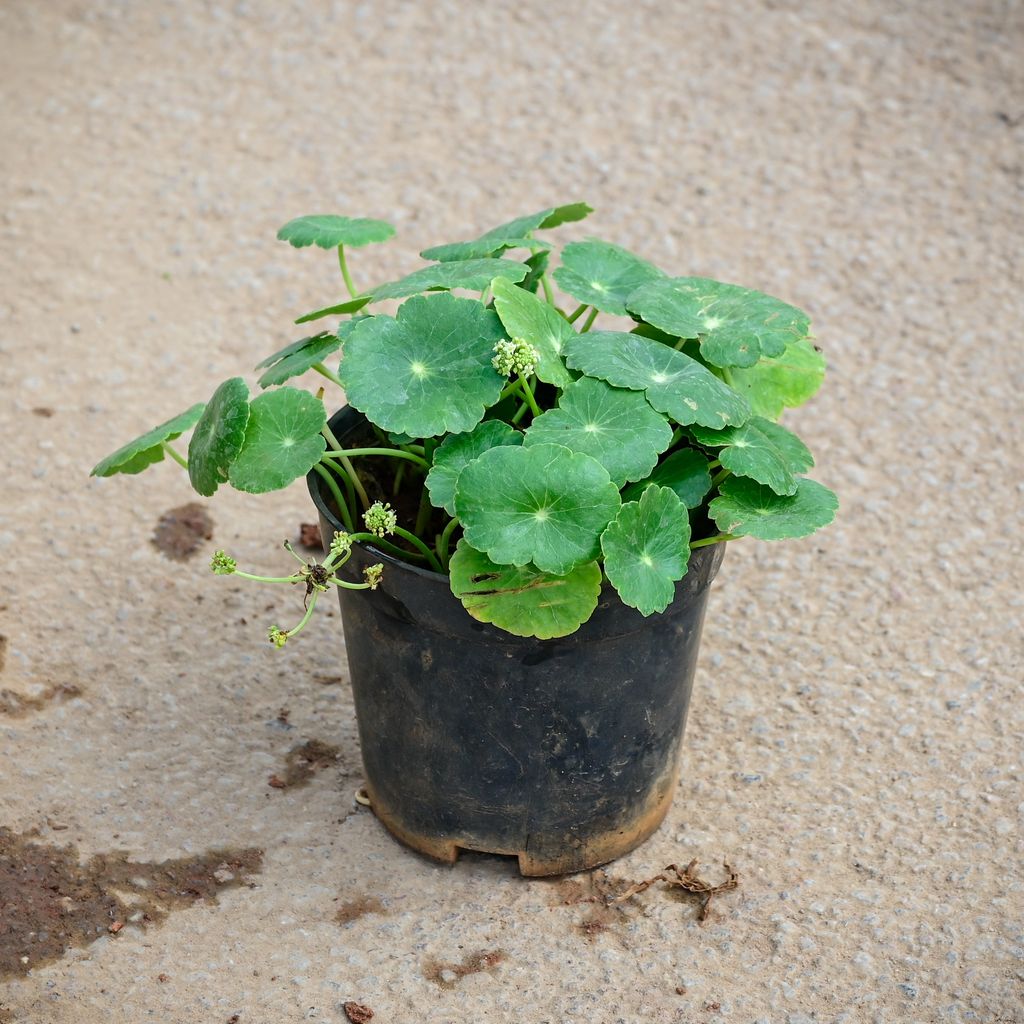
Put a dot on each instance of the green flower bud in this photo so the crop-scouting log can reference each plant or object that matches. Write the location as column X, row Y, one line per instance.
column 341, row 545
column 372, row 574
column 222, row 564
column 380, row 519
column 278, row 637
column 515, row 357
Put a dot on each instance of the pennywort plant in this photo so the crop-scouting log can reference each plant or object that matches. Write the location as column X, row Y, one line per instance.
column 509, row 443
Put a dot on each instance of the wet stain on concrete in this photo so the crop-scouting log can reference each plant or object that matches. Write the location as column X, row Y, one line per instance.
column 447, row 976
column 49, row 902
column 180, row 531
column 303, row 762
column 352, row 910
column 14, row 704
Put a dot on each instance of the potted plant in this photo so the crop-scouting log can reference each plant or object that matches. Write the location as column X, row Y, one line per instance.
column 522, row 512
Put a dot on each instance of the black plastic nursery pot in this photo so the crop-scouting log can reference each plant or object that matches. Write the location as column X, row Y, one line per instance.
column 564, row 753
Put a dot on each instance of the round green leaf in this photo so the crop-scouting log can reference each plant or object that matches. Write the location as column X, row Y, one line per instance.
column 762, row 450
column 522, row 600
column 148, row 448
column 474, row 275
column 646, row 549
column 535, row 321
column 543, row 504
column 282, row 440
column 297, row 358
column 685, row 472
column 457, row 451
column 736, row 326
column 329, row 231
column 747, row 508
column 429, row 371
column 218, row 436
column 603, row 275
column 787, row 380
column 674, row 383
column 616, row 427
column 513, row 235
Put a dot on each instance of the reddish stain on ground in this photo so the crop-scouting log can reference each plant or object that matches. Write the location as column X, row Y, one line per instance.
column 352, row 910
column 303, row 762
column 180, row 531
column 449, row 975
column 49, row 902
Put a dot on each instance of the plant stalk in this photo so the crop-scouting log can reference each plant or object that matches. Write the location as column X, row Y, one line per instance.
column 178, row 458
column 345, row 274
column 343, row 508
column 720, row 538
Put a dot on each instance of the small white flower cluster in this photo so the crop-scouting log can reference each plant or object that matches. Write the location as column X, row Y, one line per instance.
column 515, row 357
column 380, row 519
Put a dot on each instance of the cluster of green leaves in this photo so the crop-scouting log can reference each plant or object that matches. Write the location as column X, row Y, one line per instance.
column 604, row 463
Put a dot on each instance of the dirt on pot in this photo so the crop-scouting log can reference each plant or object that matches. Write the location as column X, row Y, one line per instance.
column 50, row 902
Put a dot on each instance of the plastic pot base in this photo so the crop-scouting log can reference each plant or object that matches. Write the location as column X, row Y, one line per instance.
column 541, row 855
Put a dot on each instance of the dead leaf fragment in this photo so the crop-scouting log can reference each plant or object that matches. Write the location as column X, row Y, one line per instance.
column 687, row 880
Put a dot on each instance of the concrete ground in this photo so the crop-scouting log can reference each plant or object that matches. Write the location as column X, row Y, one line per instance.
column 855, row 743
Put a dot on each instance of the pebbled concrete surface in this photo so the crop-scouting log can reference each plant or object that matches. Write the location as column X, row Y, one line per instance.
column 855, row 745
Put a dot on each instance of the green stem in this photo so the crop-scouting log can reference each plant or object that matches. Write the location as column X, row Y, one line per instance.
column 399, row 476
column 397, row 453
column 331, row 439
column 545, row 283
column 342, row 457
column 416, row 542
column 714, row 464
column 719, row 477
column 720, row 538
column 345, row 274
column 444, row 540
column 330, row 375
column 577, row 312
column 305, row 618
column 266, row 579
column 180, row 460
column 677, row 435
column 349, row 586
column 589, row 322
column 343, row 508
column 519, row 414
column 385, row 545
column 423, row 514
column 528, row 395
